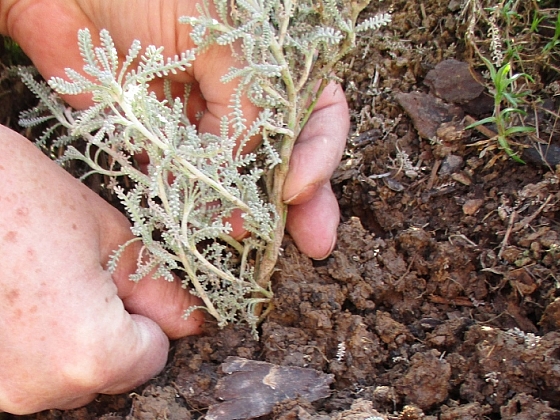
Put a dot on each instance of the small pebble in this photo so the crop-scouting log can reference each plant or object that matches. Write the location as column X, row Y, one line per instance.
column 451, row 164
column 462, row 178
column 471, row 206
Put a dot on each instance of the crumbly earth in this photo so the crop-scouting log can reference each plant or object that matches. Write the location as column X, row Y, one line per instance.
column 442, row 297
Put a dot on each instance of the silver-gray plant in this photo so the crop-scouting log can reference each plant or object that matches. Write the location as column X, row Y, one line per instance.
column 195, row 181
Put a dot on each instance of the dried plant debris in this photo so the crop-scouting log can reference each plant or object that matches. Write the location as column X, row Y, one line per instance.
column 253, row 388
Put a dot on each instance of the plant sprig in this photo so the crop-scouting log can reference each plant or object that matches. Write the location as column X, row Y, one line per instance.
column 287, row 52
column 502, row 81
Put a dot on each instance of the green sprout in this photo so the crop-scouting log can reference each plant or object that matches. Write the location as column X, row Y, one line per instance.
column 555, row 40
column 503, row 117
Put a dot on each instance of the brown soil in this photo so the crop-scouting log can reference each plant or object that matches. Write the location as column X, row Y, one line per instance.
column 442, row 297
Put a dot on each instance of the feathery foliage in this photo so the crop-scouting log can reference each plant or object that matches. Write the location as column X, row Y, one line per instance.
column 287, row 51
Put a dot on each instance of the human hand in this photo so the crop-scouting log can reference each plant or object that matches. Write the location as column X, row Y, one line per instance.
column 69, row 329
column 46, row 30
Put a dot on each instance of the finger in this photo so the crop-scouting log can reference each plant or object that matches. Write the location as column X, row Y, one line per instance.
column 114, row 351
column 155, row 298
column 319, row 147
column 156, row 23
column 313, row 224
column 165, row 303
column 47, row 32
column 77, row 339
column 162, row 301
column 28, row 24
column 209, row 68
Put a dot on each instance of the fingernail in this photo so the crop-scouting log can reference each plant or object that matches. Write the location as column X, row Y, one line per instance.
column 307, row 191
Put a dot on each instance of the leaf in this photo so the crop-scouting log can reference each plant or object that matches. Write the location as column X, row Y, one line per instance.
column 487, row 120
column 515, row 130
column 108, row 52
column 375, row 22
column 85, row 45
column 503, row 142
column 326, row 35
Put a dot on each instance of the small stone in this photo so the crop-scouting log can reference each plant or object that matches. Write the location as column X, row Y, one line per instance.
column 451, row 164
column 454, row 81
column 462, row 178
column 471, row 206
column 550, row 320
column 522, row 282
column 252, row 388
column 393, row 184
column 454, row 5
column 426, row 381
column 450, row 131
column 427, row 112
column 511, row 254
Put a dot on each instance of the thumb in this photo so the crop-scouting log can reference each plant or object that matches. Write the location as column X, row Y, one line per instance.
column 139, row 355
column 113, row 352
column 156, row 299
column 145, row 352
column 161, row 301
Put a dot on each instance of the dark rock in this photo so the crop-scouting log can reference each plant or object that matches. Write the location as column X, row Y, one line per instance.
column 451, row 164
column 542, row 154
column 427, row 112
column 252, row 388
column 454, row 81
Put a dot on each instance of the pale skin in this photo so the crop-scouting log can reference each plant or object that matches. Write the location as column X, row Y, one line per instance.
column 70, row 329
